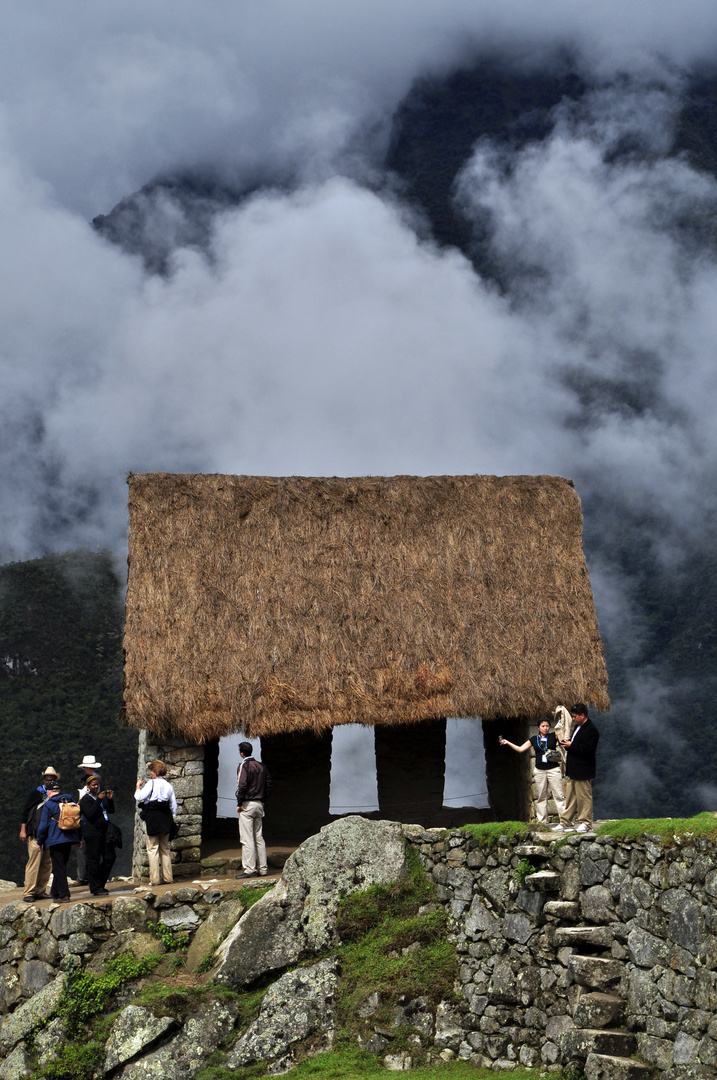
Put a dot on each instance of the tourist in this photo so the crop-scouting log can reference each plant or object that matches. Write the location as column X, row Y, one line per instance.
column 158, row 808
column 58, row 841
column 39, row 865
column 547, row 773
column 89, row 767
column 580, row 772
column 95, row 806
column 253, row 784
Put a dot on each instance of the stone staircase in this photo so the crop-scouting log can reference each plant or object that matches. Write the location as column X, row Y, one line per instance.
column 598, row 1041
column 599, row 1038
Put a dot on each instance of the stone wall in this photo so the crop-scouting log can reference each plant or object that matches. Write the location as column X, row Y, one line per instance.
column 185, row 772
column 606, row 951
column 585, row 948
column 37, row 941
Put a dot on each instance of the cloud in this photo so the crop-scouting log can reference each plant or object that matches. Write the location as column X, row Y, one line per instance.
column 101, row 98
column 324, row 336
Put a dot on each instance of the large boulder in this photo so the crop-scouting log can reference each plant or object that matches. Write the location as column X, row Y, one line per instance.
column 186, row 1053
column 134, row 1031
column 299, row 1004
column 212, row 931
column 298, row 917
column 29, row 1015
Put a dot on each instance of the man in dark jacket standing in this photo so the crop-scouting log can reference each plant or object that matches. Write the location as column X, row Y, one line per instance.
column 579, row 771
column 253, row 783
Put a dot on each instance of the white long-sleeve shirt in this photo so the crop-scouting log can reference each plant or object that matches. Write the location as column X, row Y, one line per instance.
column 158, row 788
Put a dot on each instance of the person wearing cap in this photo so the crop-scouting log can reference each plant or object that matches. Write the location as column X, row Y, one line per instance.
column 580, row 772
column 58, row 841
column 39, row 866
column 89, row 766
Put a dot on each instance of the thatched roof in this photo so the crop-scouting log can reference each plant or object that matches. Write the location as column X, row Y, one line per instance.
column 277, row 604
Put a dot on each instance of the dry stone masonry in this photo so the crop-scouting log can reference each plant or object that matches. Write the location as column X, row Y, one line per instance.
column 185, row 772
column 604, row 954
column 588, row 950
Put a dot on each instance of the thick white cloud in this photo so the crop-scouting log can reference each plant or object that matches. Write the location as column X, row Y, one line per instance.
column 325, row 338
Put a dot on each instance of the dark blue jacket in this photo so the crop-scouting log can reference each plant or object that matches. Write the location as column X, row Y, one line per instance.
column 50, row 832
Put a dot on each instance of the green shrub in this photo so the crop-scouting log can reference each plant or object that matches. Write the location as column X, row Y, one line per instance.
column 522, row 870
column 85, row 995
column 171, row 939
column 77, row 1061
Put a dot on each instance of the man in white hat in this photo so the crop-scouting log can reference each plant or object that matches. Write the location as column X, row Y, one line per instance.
column 39, row 865
column 89, row 766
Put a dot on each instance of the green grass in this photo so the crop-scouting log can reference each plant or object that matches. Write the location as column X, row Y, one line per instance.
column 704, row 824
column 356, row 1064
column 180, row 1001
column 375, row 927
column 249, row 895
column 489, row 832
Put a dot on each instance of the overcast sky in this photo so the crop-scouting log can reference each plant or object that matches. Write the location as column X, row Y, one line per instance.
column 326, row 338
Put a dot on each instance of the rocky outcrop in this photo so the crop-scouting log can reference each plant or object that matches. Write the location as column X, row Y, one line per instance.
column 298, row 917
column 183, row 1056
column 135, row 1030
column 299, row 1004
column 605, row 955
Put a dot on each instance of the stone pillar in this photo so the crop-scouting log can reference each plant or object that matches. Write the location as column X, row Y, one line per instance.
column 185, row 772
column 509, row 775
column 410, row 764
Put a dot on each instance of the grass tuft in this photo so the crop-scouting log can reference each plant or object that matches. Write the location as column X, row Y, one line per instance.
column 704, row 824
column 489, row 833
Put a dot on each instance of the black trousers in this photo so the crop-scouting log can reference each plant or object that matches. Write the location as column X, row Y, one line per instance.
column 59, row 856
column 99, row 861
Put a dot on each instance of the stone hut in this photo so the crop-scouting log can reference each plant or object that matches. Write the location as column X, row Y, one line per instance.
column 285, row 607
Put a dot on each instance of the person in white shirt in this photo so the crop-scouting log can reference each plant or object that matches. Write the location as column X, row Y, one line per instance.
column 158, row 808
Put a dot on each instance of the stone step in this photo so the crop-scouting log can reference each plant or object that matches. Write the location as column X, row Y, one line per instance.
column 596, row 1010
column 543, row 881
column 532, row 851
column 600, row 936
column 596, row 972
column 607, row 1067
column 579, row 1042
column 562, row 909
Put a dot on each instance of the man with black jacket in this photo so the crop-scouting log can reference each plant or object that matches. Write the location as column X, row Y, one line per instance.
column 253, row 784
column 39, row 866
column 579, row 771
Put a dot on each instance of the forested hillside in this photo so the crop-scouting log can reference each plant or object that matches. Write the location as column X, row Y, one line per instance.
column 61, row 621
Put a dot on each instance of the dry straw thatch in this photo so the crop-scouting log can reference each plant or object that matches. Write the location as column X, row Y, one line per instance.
column 277, row 604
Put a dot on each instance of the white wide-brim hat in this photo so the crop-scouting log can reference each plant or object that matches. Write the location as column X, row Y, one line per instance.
column 88, row 762
column 49, row 771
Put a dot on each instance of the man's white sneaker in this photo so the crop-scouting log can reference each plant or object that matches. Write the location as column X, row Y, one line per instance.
column 582, row 827
column 560, row 828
